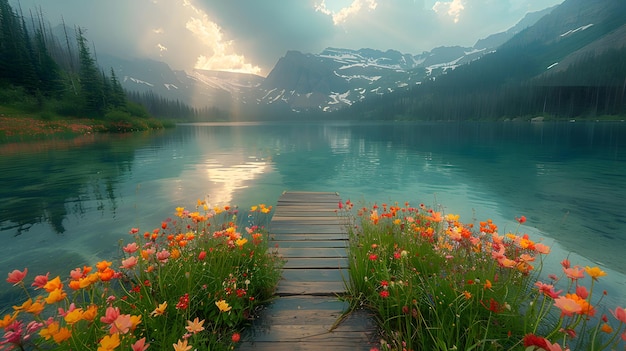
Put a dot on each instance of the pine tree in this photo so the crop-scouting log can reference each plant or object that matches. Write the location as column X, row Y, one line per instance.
column 91, row 84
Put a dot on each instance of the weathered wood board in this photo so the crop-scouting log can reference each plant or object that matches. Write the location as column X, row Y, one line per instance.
column 307, row 313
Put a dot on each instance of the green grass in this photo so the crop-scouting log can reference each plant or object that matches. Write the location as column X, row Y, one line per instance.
column 193, row 280
column 436, row 283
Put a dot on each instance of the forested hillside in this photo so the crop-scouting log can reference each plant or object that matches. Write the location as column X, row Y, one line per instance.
column 42, row 74
column 569, row 65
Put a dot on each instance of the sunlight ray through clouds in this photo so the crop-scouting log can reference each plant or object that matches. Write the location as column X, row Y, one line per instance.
column 451, row 8
column 210, row 35
column 344, row 13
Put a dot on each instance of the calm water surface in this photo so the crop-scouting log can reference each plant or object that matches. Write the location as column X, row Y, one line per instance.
column 65, row 203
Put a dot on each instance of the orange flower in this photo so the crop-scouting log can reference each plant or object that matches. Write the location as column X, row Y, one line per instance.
column 37, row 307
column 62, row 335
column 54, row 284
column 91, row 313
column 8, row 319
column 106, row 275
column 195, row 326
column 606, row 328
column 487, row 284
column 102, row 265
column 181, row 346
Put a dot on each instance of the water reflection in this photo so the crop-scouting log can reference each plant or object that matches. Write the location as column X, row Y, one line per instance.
column 69, row 202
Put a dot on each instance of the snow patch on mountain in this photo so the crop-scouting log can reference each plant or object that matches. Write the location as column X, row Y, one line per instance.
column 581, row 28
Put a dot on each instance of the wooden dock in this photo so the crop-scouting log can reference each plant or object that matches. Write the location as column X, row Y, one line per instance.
column 307, row 312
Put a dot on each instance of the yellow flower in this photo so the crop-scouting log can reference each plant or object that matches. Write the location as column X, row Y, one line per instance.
column 222, row 305
column 195, row 326
column 135, row 320
column 595, row 272
column 8, row 319
column 181, row 346
column 56, row 296
column 241, row 242
column 74, row 316
column 62, row 335
column 109, row 342
column 159, row 311
column 90, row 313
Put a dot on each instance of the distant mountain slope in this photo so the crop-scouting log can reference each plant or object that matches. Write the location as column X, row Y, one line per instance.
column 569, row 64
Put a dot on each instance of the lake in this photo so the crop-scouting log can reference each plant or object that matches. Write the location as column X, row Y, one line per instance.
column 68, row 202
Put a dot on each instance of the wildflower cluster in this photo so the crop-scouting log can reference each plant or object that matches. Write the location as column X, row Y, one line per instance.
column 436, row 283
column 190, row 283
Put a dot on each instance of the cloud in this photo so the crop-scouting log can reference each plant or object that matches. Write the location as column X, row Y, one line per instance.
column 450, row 8
column 210, row 36
column 244, row 35
column 343, row 14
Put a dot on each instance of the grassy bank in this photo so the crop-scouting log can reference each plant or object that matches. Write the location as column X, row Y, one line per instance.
column 20, row 124
column 436, row 283
column 191, row 282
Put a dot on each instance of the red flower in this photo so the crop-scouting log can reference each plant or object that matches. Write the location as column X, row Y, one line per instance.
column 373, row 257
column 202, row 255
column 183, row 302
column 384, row 294
column 16, row 276
column 236, row 337
column 534, row 340
column 521, row 220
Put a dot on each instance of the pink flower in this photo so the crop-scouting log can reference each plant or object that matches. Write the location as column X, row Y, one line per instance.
column 548, row 290
column 129, row 262
column 620, row 314
column 16, row 276
column 567, row 306
column 122, row 324
column 163, row 255
column 131, row 247
column 140, row 345
column 574, row 273
column 40, row 281
column 565, row 263
column 581, row 291
column 110, row 315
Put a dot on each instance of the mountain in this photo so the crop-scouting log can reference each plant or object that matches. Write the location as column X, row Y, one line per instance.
column 569, row 64
column 540, row 45
column 327, row 81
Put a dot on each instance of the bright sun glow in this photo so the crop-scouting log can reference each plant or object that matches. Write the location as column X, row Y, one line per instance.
column 223, row 57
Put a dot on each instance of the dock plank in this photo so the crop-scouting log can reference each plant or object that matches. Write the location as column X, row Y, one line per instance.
column 307, row 313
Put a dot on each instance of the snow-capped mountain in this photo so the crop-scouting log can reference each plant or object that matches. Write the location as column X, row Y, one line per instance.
column 326, row 81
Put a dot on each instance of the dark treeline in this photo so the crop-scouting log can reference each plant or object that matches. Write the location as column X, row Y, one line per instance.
column 40, row 72
column 511, row 83
column 161, row 107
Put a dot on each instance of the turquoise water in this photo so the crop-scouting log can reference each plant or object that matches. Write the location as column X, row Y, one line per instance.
column 65, row 203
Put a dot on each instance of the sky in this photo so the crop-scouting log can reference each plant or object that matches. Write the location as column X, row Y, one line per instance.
column 251, row 35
